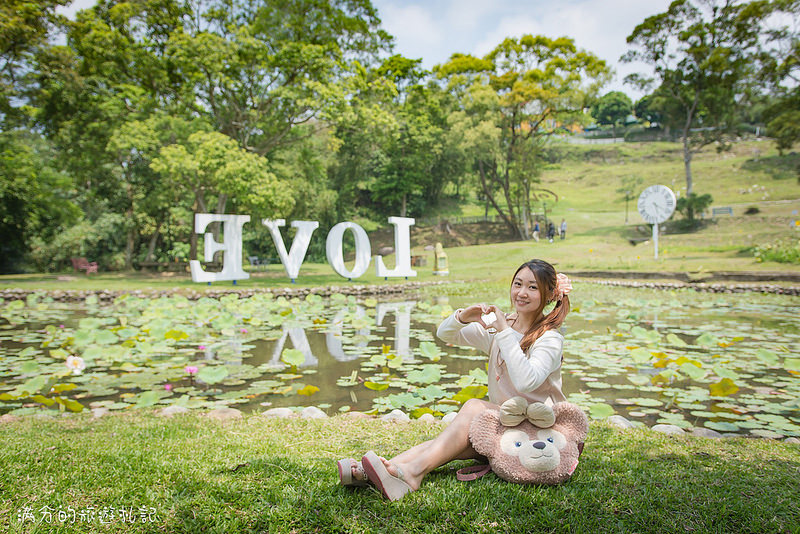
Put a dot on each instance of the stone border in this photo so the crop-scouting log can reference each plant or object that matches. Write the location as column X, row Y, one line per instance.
column 106, row 295
column 693, row 277
column 706, row 288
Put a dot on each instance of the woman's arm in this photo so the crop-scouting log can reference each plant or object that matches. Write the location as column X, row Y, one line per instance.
column 458, row 329
column 529, row 372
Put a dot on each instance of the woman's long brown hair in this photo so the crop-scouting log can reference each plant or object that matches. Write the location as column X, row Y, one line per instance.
column 545, row 275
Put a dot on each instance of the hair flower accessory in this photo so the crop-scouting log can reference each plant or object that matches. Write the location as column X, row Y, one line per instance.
column 563, row 286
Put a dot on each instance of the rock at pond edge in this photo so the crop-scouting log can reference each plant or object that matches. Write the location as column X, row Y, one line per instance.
column 169, row 411
column 281, row 413
column 223, row 414
column 357, row 415
column 668, row 429
column 99, row 412
column 312, row 412
column 619, row 422
column 706, row 433
column 396, row 415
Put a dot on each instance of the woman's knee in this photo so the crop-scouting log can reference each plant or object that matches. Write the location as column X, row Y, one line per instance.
column 474, row 407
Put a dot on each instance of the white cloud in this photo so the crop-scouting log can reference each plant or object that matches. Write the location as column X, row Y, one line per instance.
column 477, row 26
column 414, row 27
column 74, row 7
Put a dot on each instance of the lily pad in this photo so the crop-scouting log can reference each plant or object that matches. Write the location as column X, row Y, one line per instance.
column 721, row 426
column 212, row 374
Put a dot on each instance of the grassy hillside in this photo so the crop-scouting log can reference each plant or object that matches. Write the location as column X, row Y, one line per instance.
column 587, row 178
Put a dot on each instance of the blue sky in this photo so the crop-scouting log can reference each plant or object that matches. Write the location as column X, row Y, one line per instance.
column 435, row 29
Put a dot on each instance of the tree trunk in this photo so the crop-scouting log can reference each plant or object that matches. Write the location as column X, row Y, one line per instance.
column 199, row 207
column 525, row 235
column 130, row 244
column 687, row 149
column 687, row 163
column 151, row 246
column 525, row 208
column 403, row 206
column 513, row 218
column 216, row 228
column 490, row 198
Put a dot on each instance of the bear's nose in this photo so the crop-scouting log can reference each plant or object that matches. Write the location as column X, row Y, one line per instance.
column 540, row 445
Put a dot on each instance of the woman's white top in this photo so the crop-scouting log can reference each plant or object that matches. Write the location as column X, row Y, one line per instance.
column 535, row 375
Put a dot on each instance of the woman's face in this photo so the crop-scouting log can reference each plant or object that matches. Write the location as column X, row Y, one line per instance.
column 525, row 294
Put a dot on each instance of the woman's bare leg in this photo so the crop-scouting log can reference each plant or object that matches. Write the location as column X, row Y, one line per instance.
column 452, row 444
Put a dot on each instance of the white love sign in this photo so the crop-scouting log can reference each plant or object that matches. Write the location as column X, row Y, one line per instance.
column 292, row 260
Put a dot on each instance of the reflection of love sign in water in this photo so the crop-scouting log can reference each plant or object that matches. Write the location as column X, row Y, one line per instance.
column 231, row 247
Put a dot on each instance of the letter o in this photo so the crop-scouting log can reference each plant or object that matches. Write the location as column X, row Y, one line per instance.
column 333, row 249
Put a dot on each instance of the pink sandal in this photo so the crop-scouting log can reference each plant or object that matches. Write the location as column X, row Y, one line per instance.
column 346, row 477
column 393, row 487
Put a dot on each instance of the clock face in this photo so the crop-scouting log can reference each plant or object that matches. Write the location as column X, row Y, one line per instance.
column 656, row 204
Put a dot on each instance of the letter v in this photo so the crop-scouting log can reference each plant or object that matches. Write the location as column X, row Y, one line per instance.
column 294, row 259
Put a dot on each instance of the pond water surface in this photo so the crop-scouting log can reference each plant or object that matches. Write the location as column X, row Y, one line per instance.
column 727, row 363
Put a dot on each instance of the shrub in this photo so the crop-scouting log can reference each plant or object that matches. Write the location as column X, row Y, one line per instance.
column 781, row 251
column 693, row 204
column 98, row 241
column 752, row 210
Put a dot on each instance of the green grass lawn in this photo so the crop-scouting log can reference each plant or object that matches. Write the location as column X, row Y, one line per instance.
column 265, row 475
column 595, row 242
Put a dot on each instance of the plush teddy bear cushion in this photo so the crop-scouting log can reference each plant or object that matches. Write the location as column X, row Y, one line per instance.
column 531, row 444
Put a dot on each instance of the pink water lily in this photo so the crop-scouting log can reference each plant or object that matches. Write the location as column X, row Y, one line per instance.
column 201, row 347
column 244, row 330
column 168, row 387
column 191, row 369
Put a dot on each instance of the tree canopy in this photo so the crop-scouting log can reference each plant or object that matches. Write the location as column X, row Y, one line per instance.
column 700, row 53
column 509, row 103
column 117, row 127
column 612, row 109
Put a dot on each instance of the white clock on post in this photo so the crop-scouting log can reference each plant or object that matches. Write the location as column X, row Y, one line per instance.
column 656, row 205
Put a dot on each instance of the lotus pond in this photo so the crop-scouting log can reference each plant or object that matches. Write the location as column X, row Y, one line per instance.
column 729, row 363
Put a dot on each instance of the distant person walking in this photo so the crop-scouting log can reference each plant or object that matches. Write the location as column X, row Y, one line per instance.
column 536, row 231
column 563, row 228
column 551, row 232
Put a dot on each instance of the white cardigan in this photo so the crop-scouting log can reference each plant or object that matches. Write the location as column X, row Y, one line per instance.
column 536, row 376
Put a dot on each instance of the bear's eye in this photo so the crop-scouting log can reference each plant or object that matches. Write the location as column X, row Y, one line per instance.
column 518, row 444
column 550, row 440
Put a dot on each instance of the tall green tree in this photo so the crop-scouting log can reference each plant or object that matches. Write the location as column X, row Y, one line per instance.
column 612, row 109
column 648, row 109
column 211, row 166
column 35, row 198
column 700, row 53
column 25, row 25
column 511, row 101
column 416, row 162
column 251, row 71
column 256, row 70
column 779, row 60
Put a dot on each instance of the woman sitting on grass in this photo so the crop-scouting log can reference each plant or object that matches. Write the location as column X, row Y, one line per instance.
column 525, row 355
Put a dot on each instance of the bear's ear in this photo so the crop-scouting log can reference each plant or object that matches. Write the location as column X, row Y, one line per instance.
column 484, row 433
column 572, row 421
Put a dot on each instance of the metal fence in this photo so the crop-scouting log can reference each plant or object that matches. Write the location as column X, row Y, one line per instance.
column 433, row 221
